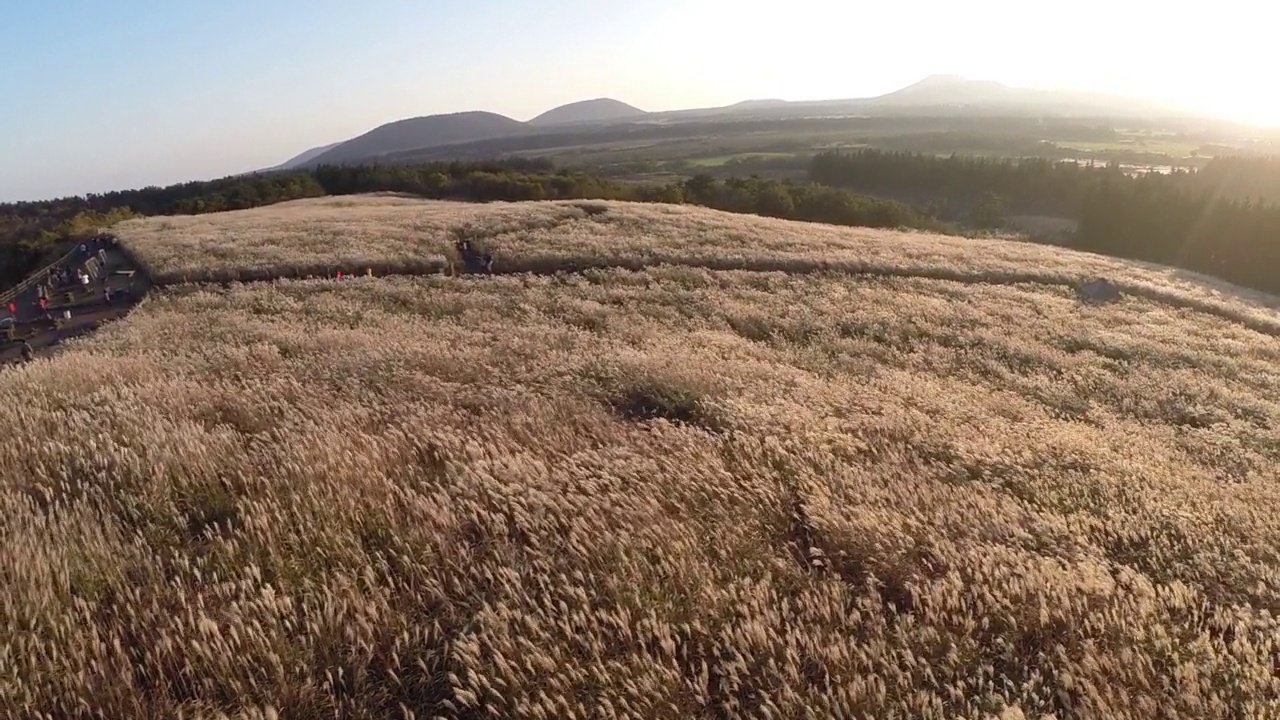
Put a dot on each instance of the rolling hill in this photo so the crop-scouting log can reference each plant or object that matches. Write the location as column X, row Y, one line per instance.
column 740, row 468
column 421, row 132
column 600, row 110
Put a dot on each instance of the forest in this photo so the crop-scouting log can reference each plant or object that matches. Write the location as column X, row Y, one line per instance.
column 1221, row 219
column 1030, row 184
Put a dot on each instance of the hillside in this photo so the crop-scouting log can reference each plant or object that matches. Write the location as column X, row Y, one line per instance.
column 422, row 132
column 955, row 91
column 744, row 468
column 587, row 111
column 398, row 234
column 302, row 159
column 948, row 90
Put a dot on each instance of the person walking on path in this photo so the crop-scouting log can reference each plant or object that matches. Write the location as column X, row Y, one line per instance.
column 27, row 353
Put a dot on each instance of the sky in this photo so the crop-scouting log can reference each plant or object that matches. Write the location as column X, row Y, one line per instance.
column 98, row 95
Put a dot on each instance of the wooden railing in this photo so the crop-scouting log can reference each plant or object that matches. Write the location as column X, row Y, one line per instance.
column 9, row 295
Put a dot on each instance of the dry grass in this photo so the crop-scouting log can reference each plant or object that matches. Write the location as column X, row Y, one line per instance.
column 400, row 235
column 671, row 493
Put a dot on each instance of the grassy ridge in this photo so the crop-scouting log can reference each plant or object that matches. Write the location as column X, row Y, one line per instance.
column 407, row 236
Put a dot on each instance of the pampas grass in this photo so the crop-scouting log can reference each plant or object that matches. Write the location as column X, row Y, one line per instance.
column 672, row 492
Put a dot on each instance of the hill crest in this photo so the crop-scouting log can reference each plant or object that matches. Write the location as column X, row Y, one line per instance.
column 422, row 132
column 947, row 90
column 587, row 111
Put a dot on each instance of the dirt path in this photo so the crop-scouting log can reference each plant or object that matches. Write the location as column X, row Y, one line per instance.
column 1261, row 320
column 89, row 309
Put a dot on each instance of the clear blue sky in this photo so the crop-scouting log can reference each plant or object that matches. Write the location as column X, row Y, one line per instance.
column 108, row 95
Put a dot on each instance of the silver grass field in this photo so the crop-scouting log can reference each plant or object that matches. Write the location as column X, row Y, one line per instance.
column 715, row 473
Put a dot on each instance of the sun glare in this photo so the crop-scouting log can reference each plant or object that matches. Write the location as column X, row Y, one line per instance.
column 1250, row 107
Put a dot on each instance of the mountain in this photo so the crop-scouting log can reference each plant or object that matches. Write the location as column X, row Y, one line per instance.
column 948, row 90
column 936, row 95
column 953, row 91
column 302, row 159
column 421, row 132
column 588, row 111
column 944, row 95
column 757, row 104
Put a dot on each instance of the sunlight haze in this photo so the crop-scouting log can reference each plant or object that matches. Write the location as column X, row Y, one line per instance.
column 100, row 96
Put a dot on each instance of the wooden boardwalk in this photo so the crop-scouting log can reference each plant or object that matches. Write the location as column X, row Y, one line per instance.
column 73, row 308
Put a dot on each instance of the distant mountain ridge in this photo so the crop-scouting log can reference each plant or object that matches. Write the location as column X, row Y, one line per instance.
column 419, row 132
column 305, row 157
column 954, row 91
column 948, row 90
column 588, row 111
column 934, row 95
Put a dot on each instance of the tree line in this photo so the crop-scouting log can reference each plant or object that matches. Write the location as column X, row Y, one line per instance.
column 1150, row 218
column 517, row 180
column 1202, row 220
column 1029, row 184
column 798, row 201
column 1222, row 219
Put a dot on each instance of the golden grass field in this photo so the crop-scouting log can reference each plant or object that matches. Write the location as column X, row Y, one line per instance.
column 667, row 492
column 390, row 234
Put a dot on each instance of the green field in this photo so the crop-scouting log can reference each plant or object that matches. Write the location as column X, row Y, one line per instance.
column 1174, row 149
column 720, row 160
